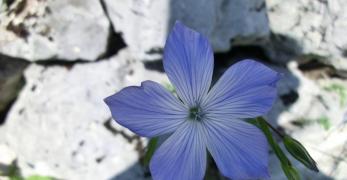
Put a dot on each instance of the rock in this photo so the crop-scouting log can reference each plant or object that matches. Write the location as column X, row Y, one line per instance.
column 54, row 29
column 144, row 25
column 315, row 117
column 11, row 80
column 315, row 98
column 57, row 125
column 309, row 28
column 6, row 160
column 328, row 149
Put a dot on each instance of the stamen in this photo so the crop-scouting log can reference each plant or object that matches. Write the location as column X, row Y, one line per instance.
column 195, row 114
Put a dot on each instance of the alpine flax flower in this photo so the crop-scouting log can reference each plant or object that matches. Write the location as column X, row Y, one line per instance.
column 201, row 119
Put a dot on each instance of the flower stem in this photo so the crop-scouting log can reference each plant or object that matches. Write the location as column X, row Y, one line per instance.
column 274, row 129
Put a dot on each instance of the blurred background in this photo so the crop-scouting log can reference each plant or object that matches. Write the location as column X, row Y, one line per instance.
column 60, row 58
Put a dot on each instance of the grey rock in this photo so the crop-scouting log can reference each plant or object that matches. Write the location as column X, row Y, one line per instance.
column 57, row 125
column 144, row 25
column 11, row 79
column 315, row 29
column 316, row 119
column 54, row 29
column 8, row 158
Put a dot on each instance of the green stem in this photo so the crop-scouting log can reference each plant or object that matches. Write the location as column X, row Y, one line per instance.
column 152, row 145
column 264, row 127
column 287, row 167
column 274, row 129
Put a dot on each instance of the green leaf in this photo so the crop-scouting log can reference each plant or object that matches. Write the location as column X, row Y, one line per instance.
column 324, row 122
column 340, row 90
column 152, row 145
column 14, row 172
column 38, row 177
column 299, row 152
column 15, row 178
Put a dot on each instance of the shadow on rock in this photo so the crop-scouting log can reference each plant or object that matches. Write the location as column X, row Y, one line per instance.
column 11, row 82
column 274, row 50
column 132, row 173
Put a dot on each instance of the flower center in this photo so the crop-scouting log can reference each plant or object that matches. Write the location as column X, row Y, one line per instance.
column 196, row 114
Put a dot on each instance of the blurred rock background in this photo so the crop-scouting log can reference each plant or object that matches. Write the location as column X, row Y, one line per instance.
column 60, row 58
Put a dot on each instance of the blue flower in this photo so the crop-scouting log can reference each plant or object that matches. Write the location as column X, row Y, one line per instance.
column 203, row 118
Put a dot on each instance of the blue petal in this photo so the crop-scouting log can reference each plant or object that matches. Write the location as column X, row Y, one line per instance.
column 246, row 90
column 188, row 62
column 182, row 156
column 148, row 110
column 239, row 149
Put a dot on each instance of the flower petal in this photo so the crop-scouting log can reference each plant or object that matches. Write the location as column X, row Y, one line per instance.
column 148, row 110
column 246, row 90
column 188, row 62
column 239, row 149
column 182, row 156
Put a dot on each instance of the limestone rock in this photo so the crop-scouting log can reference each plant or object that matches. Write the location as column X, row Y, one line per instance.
column 8, row 158
column 57, row 125
column 144, row 25
column 11, row 80
column 54, row 29
column 315, row 117
column 309, row 28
